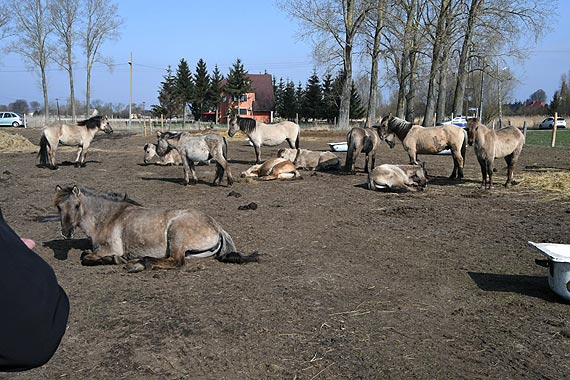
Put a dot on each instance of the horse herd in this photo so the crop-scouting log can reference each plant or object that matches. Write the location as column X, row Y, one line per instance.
column 122, row 231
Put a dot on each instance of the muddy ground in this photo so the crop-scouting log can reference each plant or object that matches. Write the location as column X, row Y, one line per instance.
column 352, row 284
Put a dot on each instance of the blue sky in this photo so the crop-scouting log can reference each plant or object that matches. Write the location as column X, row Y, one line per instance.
column 160, row 33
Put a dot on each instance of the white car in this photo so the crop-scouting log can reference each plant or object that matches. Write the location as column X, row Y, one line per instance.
column 460, row 121
column 548, row 123
column 11, row 119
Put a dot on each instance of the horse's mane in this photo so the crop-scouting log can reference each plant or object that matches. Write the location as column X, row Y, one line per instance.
column 92, row 122
column 170, row 135
column 247, row 124
column 110, row 196
column 399, row 126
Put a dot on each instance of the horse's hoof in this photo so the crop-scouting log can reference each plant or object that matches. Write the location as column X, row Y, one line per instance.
column 134, row 267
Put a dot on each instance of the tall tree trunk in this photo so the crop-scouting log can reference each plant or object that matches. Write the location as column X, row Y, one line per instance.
column 411, row 94
column 45, row 92
column 405, row 61
column 371, row 109
column 464, row 57
column 436, row 62
column 71, row 89
column 442, row 88
column 88, row 91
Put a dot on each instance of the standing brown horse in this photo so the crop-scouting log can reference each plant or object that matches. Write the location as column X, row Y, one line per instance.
column 420, row 140
column 359, row 140
column 489, row 144
column 79, row 135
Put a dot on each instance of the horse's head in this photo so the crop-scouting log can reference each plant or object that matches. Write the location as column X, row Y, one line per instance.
column 384, row 132
column 472, row 127
column 149, row 152
column 233, row 125
column 163, row 144
column 69, row 206
column 105, row 126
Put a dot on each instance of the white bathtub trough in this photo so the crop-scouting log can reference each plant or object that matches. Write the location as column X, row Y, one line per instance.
column 558, row 264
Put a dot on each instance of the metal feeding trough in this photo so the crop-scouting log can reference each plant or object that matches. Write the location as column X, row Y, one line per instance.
column 558, row 264
column 338, row 146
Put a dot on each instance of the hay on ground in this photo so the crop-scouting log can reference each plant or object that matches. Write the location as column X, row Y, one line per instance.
column 554, row 181
column 13, row 143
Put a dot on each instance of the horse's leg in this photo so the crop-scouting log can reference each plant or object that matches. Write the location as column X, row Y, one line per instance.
column 509, row 160
column 291, row 145
column 222, row 165
column 490, row 173
column 257, row 149
column 483, row 166
column 193, row 171
column 52, row 149
column 355, row 155
column 101, row 257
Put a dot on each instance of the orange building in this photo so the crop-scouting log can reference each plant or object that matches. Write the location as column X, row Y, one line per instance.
column 258, row 104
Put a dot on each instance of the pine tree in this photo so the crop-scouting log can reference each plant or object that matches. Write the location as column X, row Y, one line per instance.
column 357, row 110
column 184, row 86
column 215, row 91
column 313, row 99
column 279, row 91
column 289, row 109
column 167, row 97
column 200, row 96
column 330, row 108
column 237, row 82
column 299, row 99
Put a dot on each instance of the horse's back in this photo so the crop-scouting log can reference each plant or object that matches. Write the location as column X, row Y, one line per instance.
column 507, row 141
column 275, row 134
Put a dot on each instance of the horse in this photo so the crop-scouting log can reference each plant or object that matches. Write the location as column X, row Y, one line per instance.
column 171, row 157
column 79, row 135
column 420, row 140
column 274, row 168
column 123, row 231
column 397, row 177
column 265, row 134
column 310, row 160
column 359, row 140
column 197, row 148
column 489, row 144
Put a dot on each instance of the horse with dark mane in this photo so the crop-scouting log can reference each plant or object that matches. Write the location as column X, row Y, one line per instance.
column 79, row 135
column 361, row 140
column 122, row 231
column 489, row 144
column 420, row 140
column 265, row 134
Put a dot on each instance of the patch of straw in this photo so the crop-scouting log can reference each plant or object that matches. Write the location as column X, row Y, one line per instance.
column 552, row 181
column 12, row 143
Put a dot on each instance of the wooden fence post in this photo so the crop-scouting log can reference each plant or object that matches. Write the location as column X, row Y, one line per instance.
column 524, row 129
column 554, row 130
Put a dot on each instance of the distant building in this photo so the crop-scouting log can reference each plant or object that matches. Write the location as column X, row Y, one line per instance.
column 534, row 104
column 258, row 104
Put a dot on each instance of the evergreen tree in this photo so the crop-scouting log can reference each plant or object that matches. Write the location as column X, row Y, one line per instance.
column 167, row 97
column 313, row 99
column 215, row 92
column 279, row 92
column 289, row 109
column 184, row 86
column 200, row 97
column 357, row 110
column 237, row 82
column 299, row 99
column 330, row 108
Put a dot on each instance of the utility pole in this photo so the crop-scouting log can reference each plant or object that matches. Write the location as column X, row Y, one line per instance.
column 131, row 88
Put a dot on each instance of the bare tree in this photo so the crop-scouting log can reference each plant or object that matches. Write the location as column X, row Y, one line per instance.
column 31, row 18
column 373, row 31
column 336, row 23
column 64, row 15
column 101, row 23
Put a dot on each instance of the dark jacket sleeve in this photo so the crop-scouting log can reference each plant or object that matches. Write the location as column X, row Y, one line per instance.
column 33, row 307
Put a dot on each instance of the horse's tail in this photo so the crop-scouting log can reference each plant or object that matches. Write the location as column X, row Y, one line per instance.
column 349, row 153
column 225, row 148
column 228, row 254
column 44, row 150
column 464, row 146
column 297, row 140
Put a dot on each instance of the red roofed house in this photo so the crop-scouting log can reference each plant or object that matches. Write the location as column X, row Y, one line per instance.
column 258, row 104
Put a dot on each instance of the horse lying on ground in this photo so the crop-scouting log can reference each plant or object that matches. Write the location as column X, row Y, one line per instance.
column 420, row 140
column 359, row 140
column 122, row 231
column 197, row 148
column 310, row 160
column 171, row 157
column 397, row 178
column 489, row 144
column 265, row 134
column 79, row 135
column 274, row 168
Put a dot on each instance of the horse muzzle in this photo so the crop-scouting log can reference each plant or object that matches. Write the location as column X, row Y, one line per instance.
column 391, row 144
column 67, row 233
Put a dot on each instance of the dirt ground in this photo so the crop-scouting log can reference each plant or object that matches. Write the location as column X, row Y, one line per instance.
column 352, row 284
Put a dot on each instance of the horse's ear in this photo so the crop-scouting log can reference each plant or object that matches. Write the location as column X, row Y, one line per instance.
column 58, row 189
column 158, row 134
column 76, row 191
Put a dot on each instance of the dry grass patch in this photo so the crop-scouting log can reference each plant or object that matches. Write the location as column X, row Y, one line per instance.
column 13, row 143
column 557, row 181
